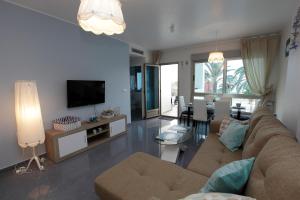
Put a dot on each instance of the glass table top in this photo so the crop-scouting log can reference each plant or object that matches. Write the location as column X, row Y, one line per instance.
column 174, row 135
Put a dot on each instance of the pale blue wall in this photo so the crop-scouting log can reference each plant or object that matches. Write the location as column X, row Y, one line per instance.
column 37, row 47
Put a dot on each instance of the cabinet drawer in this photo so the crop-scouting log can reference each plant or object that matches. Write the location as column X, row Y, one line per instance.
column 72, row 143
column 117, row 127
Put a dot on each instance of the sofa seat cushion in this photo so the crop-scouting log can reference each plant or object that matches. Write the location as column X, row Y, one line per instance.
column 275, row 174
column 214, row 126
column 142, row 176
column 266, row 128
column 211, row 156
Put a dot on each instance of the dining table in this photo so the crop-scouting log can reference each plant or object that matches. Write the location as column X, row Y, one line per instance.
column 239, row 111
column 210, row 110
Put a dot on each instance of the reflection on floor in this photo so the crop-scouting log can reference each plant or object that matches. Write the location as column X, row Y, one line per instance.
column 74, row 178
column 173, row 112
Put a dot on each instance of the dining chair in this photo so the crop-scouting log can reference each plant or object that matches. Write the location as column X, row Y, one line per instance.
column 226, row 98
column 200, row 116
column 222, row 110
column 183, row 110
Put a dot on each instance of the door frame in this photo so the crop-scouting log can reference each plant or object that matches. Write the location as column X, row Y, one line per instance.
column 171, row 63
column 155, row 112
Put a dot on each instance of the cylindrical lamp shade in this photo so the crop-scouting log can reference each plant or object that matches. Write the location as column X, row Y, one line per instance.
column 30, row 126
column 216, row 57
column 101, row 16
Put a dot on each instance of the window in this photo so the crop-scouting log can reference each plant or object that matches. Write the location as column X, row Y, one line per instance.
column 136, row 79
column 249, row 104
column 209, row 78
column 236, row 82
column 139, row 81
column 226, row 78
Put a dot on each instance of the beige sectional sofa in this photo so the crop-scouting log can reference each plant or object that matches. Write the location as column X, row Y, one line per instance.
column 275, row 174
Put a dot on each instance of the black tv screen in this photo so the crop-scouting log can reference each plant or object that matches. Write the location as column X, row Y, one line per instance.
column 83, row 93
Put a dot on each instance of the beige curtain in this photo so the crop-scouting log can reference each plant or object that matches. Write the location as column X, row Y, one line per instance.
column 258, row 56
column 156, row 55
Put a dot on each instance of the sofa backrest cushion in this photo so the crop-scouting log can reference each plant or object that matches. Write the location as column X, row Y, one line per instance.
column 255, row 118
column 276, row 171
column 267, row 127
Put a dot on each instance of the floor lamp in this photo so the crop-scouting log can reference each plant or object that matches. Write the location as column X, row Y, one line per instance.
column 30, row 128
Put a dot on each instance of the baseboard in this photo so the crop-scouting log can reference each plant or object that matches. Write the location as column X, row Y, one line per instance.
column 24, row 162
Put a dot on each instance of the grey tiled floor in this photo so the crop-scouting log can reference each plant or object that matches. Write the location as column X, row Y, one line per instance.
column 74, row 178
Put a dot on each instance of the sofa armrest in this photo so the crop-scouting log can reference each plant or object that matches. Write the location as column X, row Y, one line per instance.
column 214, row 126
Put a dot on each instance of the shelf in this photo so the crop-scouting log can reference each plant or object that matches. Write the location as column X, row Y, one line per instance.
column 108, row 126
column 98, row 133
column 84, row 126
column 97, row 139
column 93, row 143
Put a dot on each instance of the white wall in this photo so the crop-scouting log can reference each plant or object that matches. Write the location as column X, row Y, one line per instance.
column 37, row 47
column 142, row 59
column 182, row 55
column 288, row 96
column 137, row 61
column 283, row 72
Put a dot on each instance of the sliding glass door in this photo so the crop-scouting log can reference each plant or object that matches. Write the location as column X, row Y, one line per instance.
column 152, row 91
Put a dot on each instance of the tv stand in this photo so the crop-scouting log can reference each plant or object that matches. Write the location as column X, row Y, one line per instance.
column 63, row 145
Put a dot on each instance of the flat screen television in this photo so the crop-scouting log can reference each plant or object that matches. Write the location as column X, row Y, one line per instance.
column 83, row 93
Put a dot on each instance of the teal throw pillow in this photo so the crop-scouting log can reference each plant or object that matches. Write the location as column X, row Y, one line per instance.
column 233, row 136
column 230, row 178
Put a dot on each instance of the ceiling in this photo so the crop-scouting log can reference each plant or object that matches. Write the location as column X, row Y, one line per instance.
column 194, row 21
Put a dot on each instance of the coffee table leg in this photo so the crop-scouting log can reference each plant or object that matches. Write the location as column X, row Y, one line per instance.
column 170, row 153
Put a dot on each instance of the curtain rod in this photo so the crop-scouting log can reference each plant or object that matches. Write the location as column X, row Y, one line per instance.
column 263, row 36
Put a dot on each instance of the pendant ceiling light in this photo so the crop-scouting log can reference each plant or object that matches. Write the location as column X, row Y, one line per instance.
column 101, row 16
column 216, row 56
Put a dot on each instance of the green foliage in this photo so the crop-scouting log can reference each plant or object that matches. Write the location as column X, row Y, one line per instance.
column 214, row 75
column 236, row 83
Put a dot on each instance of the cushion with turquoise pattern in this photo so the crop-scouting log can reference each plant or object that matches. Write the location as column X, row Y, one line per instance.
column 230, row 178
column 233, row 136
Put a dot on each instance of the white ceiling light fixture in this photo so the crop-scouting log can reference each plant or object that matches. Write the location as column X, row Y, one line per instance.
column 101, row 16
column 216, row 56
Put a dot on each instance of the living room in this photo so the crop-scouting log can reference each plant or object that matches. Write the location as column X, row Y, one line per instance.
column 69, row 64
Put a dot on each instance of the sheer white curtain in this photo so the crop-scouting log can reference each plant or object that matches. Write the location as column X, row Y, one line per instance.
column 258, row 57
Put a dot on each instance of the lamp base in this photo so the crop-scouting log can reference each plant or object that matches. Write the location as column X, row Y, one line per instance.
column 23, row 170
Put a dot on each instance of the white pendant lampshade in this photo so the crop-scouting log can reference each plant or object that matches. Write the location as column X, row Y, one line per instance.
column 30, row 126
column 216, row 57
column 101, row 16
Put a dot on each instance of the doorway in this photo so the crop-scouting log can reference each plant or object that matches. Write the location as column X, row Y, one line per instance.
column 169, row 90
column 136, row 88
column 152, row 88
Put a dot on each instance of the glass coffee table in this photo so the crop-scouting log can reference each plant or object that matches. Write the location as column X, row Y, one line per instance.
column 171, row 142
